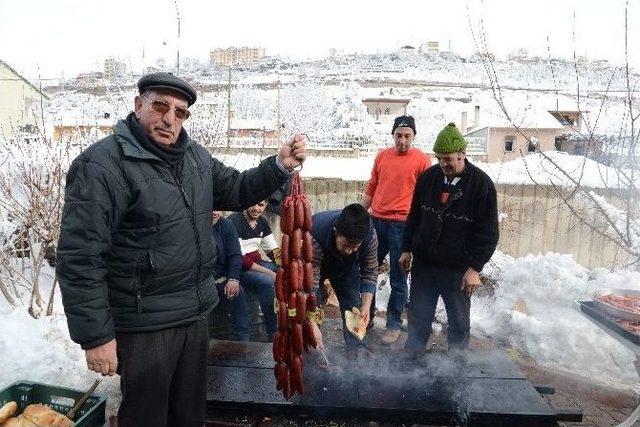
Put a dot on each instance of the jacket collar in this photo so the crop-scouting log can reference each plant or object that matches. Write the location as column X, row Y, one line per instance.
column 131, row 147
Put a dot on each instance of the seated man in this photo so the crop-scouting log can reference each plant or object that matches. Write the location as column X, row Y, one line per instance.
column 345, row 251
column 257, row 276
column 227, row 273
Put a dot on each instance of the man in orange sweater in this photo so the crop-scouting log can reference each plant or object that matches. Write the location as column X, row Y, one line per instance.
column 388, row 194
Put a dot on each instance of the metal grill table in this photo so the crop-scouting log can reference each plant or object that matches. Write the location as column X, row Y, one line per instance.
column 624, row 337
column 483, row 388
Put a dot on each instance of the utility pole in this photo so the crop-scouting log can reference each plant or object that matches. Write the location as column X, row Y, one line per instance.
column 229, row 109
column 278, row 124
column 175, row 2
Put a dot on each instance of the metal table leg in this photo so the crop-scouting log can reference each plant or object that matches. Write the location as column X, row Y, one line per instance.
column 635, row 415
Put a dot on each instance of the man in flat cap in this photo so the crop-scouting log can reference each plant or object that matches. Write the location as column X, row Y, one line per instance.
column 451, row 231
column 388, row 194
column 135, row 255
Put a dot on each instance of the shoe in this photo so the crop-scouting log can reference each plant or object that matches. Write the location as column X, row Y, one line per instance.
column 390, row 336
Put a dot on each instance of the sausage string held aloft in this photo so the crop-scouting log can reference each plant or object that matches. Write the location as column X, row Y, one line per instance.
column 296, row 302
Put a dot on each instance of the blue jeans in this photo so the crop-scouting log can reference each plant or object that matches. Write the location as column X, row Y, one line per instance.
column 390, row 242
column 239, row 312
column 346, row 285
column 263, row 287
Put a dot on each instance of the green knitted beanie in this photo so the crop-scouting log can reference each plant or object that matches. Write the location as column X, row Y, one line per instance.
column 449, row 140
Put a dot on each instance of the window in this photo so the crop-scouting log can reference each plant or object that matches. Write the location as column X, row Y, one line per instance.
column 532, row 146
column 568, row 121
column 508, row 143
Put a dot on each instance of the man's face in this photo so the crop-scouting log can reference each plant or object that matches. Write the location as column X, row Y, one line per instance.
column 451, row 163
column 216, row 215
column 346, row 246
column 403, row 138
column 162, row 127
column 255, row 211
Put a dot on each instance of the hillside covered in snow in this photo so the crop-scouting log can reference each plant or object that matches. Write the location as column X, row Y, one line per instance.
column 324, row 98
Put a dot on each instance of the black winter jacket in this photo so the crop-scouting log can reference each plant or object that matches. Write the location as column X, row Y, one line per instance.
column 463, row 232
column 136, row 251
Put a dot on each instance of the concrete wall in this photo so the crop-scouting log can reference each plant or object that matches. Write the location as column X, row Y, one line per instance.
column 497, row 136
column 18, row 99
column 534, row 220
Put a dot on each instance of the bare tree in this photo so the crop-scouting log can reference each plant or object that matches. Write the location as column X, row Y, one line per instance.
column 620, row 226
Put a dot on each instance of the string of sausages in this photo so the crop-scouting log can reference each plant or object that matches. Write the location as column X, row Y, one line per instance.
column 295, row 303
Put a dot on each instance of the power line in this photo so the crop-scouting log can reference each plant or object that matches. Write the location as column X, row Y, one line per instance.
column 7, row 79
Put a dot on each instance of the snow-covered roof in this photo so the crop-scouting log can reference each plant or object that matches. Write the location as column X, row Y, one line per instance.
column 535, row 168
column 524, row 118
column 389, row 99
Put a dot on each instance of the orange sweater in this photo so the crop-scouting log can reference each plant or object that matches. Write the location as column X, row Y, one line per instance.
column 393, row 179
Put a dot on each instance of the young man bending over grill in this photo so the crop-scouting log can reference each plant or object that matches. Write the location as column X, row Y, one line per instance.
column 345, row 251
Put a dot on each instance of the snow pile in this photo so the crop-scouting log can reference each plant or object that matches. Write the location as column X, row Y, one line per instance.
column 553, row 331
column 536, row 169
column 41, row 350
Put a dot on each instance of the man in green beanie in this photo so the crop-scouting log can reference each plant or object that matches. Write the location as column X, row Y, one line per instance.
column 451, row 233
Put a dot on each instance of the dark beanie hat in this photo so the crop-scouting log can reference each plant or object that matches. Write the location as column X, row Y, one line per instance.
column 353, row 222
column 168, row 81
column 404, row 121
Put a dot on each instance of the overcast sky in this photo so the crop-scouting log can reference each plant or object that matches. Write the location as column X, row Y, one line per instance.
column 72, row 36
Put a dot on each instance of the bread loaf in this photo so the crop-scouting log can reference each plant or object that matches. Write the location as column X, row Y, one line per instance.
column 7, row 411
column 355, row 323
column 41, row 415
column 18, row 421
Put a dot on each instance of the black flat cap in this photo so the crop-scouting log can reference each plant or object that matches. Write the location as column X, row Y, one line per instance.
column 168, row 81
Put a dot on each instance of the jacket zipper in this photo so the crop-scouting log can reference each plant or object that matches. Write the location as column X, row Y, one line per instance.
column 149, row 269
column 195, row 232
column 136, row 278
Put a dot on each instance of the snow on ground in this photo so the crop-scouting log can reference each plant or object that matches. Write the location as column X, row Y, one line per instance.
column 554, row 332
column 41, row 350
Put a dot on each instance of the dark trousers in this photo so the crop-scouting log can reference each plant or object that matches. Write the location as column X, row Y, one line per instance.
column 390, row 242
column 346, row 285
column 428, row 282
column 163, row 376
column 263, row 287
column 239, row 312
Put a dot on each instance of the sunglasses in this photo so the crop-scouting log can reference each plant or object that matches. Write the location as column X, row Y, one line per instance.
column 163, row 108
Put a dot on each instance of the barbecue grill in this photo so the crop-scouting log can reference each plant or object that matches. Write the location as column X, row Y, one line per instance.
column 470, row 388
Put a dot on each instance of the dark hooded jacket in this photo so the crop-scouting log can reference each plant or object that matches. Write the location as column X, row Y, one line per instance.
column 135, row 250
